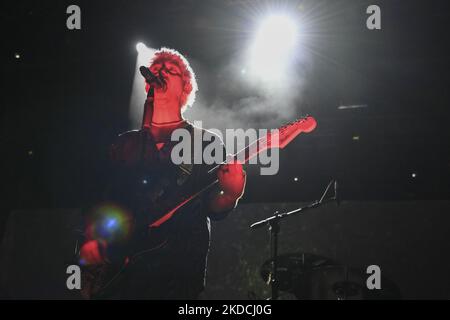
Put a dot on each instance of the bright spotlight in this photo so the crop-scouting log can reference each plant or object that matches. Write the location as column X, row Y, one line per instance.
column 279, row 30
column 144, row 53
column 140, row 47
column 138, row 95
column 273, row 47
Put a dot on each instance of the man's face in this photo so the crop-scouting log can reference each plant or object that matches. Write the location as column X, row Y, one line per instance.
column 172, row 76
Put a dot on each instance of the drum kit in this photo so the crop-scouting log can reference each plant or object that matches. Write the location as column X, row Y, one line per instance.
column 312, row 277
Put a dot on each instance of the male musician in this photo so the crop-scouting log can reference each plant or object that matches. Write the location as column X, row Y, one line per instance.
column 166, row 261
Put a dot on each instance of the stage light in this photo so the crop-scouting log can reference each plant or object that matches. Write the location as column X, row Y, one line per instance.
column 138, row 94
column 296, row 179
column 278, row 30
column 140, row 47
column 144, row 53
column 413, row 175
column 17, row 56
column 273, row 47
column 354, row 106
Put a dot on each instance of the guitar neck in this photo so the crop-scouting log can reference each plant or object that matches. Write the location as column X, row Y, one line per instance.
column 245, row 154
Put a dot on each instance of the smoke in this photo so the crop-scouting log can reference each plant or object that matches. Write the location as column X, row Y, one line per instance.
column 232, row 98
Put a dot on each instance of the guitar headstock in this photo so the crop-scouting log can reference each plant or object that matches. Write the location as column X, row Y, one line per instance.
column 291, row 130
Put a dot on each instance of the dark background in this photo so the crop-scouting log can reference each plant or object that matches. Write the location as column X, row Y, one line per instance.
column 67, row 97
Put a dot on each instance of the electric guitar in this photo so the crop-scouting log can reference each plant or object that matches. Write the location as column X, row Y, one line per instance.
column 277, row 139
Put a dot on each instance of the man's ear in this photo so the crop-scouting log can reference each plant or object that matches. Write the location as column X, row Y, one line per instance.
column 186, row 91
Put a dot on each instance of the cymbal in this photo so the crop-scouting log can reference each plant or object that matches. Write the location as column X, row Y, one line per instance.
column 291, row 266
column 336, row 282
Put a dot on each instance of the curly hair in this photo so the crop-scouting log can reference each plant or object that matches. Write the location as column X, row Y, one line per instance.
column 188, row 76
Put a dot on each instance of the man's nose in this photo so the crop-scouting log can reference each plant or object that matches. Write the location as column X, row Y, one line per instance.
column 163, row 72
column 163, row 79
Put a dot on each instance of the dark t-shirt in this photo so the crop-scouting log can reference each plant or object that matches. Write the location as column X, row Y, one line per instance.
column 169, row 261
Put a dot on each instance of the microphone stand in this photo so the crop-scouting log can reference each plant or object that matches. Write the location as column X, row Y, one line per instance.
column 146, row 119
column 148, row 108
column 274, row 227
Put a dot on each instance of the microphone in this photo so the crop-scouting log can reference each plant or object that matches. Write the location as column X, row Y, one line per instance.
column 336, row 194
column 150, row 78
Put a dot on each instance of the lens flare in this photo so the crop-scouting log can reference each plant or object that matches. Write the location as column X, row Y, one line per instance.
column 109, row 222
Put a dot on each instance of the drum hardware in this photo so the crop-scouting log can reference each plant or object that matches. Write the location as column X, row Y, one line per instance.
column 274, row 228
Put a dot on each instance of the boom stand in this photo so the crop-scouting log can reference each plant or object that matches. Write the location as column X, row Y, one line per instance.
column 274, row 228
